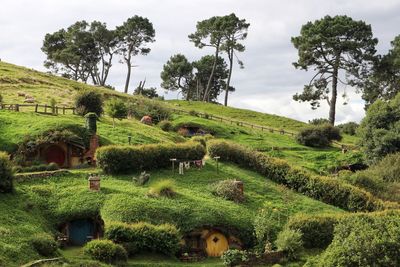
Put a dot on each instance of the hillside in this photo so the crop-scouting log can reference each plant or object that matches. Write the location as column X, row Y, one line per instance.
column 44, row 204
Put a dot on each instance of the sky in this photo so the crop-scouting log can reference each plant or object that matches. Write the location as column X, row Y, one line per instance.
column 266, row 84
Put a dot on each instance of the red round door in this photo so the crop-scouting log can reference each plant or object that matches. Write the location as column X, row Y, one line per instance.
column 55, row 154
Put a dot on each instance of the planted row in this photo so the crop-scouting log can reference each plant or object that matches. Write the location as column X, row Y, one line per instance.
column 145, row 237
column 124, row 159
column 325, row 189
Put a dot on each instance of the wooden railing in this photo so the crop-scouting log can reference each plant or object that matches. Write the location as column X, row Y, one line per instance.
column 235, row 122
column 44, row 109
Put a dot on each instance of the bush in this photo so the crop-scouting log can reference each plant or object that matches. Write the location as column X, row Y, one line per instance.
column 367, row 180
column 6, row 174
column 44, row 244
column 165, row 125
column 116, row 109
column 290, row 242
column 325, row 189
column 123, row 159
column 142, row 179
column 317, row 231
column 318, row 121
column 193, row 113
column 163, row 188
column 202, row 139
column 349, row 128
column 318, row 136
column 388, row 169
column 380, row 128
column 234, row 257
column 89, row 101
column 146, row 107
column 145, row 237
column 364, row 241
column 105, row 251
column 40, row 167
column 267, row 224
column 227, row 189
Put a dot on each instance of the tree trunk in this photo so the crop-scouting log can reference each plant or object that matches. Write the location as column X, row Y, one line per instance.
column 229, row 76
column 212, row 73
column 128, row 76
column 332, row 102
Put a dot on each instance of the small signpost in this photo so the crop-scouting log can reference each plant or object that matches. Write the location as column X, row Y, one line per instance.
column 94, row 182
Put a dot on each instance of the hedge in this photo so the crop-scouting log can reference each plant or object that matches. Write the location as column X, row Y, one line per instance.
column 105, row 251
column 6, row 173
column 325, row 189
column 145, row 237
column 317, row 231
column 124, row 159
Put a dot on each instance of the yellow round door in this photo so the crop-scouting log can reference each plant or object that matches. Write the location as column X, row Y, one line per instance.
column 216, row 244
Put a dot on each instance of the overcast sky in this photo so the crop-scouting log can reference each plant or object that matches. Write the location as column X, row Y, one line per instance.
column 269, row 79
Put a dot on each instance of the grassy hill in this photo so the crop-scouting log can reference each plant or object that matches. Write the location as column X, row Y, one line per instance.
column 40, row 205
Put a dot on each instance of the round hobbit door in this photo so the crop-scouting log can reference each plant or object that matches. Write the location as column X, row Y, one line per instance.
column 216, row 244
column 55, row 154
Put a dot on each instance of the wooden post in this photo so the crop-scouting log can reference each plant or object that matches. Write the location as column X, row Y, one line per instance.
column 36, row 108
column 63, row 110
column 45, row 108
column 16, row 107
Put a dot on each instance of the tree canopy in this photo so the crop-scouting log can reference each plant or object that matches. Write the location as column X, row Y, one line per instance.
column 133, row 37
column 330, row 46
column 384, row 83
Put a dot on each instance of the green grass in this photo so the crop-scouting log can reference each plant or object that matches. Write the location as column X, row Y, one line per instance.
column 317, row 160
column 250, row 116
column 14, row 126
column 40, row 205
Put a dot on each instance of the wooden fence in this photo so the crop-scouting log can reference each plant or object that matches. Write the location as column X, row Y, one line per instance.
column 43, row 109
column 235, row 122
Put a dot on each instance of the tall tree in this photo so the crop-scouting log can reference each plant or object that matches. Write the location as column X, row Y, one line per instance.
column 332, row 45
column 105, row 42
column 235, row 31
column 209, row 33
column 133, row 36
column 71, row 52
column 203, row 68
column 384, row 83
column 177, row 74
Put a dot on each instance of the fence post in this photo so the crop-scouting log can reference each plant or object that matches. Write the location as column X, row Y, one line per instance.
column 36, row 108
column 63, row 110
column 45, row 108
column 16, row 107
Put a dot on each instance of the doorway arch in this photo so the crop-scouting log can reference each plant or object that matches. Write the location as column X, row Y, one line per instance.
column 56, row 154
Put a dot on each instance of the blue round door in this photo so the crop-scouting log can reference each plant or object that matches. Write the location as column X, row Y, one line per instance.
column 80, row 231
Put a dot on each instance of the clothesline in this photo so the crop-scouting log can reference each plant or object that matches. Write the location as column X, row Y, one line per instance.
column 186, row 164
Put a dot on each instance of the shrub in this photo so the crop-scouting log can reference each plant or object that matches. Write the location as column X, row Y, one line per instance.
column 290, row 242
column 325, row 189
column 145, row 237
column 367, row 180
column 52, row 166
column 380, row 128
column 44, row 244
column 227, row 189
column 318, row 136
column 165, row 125
column 364, row 241
column 267, row 224
column 142, row 179
column 193, row 113
column 6, row 174
column 388, row 169
column 105, row 251
column 145, row 107
column 234, row 257
column 163, row 188
column 123, row 159
column 116, row 109
column 89, row 101
column 202, row 139
column 349, row 128
column 317, row 231
column 318, row 121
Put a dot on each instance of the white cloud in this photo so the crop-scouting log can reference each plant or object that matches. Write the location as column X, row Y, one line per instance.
column 268, row 81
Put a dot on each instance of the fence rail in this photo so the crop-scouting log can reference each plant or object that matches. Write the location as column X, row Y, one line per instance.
column 238, row 123
column 44, row 109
